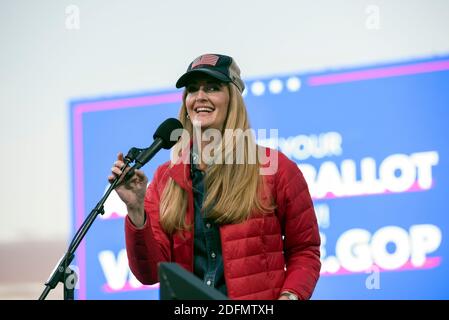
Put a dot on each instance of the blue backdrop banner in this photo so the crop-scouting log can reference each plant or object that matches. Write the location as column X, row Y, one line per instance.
column 372, row 143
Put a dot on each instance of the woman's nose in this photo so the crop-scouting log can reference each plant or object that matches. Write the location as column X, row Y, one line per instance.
column 201, row 94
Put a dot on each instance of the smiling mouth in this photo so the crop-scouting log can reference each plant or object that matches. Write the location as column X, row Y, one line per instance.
column 204, row 109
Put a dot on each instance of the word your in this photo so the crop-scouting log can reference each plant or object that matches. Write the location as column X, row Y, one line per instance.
column 302, row 147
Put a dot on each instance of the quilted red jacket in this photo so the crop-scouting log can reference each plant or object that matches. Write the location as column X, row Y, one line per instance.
column 258, row 262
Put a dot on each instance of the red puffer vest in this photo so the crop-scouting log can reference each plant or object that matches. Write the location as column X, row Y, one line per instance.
column 258, row 262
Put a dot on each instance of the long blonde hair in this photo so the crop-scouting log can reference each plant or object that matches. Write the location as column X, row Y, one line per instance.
column 233, row 191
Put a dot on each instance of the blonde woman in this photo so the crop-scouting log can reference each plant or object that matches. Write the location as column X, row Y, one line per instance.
column 243, row 225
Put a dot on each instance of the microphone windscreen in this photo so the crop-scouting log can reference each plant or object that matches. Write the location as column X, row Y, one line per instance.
column 164, row 132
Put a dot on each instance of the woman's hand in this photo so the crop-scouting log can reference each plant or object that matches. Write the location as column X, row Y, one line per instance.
column 131, row 192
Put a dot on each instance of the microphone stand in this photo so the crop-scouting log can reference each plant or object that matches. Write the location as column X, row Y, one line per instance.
column 63, row 273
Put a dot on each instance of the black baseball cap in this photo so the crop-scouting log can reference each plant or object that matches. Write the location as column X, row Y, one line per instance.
column 221, row 67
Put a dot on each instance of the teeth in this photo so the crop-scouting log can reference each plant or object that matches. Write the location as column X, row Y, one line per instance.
column 204, row 109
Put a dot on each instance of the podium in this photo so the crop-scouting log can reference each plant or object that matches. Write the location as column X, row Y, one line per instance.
column 176, row 283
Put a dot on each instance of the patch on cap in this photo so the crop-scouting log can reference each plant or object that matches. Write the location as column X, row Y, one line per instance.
column 207, row 59
column 219, row 66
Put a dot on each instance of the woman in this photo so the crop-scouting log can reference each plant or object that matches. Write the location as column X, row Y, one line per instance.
column 250, row 236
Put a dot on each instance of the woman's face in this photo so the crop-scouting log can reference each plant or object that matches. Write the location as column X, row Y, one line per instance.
column 207, row 102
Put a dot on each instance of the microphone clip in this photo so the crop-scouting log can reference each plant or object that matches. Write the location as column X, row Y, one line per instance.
column 133, row 153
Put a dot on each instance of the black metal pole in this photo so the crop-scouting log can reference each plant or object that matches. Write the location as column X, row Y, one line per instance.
column 62, row 271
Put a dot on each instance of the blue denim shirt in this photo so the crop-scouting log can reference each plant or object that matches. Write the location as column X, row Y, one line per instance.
column 208, row 259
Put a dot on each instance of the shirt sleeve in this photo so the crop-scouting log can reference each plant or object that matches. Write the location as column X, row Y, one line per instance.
column 300, row 230
column 149, row 246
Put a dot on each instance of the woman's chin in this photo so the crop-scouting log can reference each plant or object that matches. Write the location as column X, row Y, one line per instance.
column 203, row 122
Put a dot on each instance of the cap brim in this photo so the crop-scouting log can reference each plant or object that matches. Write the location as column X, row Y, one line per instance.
column 188, row 76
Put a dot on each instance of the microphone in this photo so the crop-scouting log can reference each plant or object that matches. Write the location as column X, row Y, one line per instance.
column 161, row 140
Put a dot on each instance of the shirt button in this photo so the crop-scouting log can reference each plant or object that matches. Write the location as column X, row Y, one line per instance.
column 213, row 255
column 208, row 282
column 208, row 225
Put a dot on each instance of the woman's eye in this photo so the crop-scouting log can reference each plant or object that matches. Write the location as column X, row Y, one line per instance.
column 191, row 89
column 213, row 87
